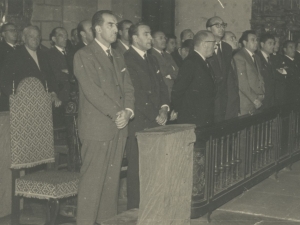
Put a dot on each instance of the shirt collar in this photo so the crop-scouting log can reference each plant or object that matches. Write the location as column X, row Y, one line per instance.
column 200, row 55
column 30, row 51
column 265, row 55
column 103, row 46
column 140, row 52
column 60, row 49
column 124, row 44
column 289, row 57
column 298, row 51
column 250, row 53
column 158, row 50
column 10, row 44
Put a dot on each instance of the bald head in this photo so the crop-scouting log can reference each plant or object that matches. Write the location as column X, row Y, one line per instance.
column 31, row 37
column 230, row 39
column 217, row 26
column 204, row 42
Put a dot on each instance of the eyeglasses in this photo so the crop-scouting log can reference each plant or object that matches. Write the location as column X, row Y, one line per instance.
column 219, row 25
column 211, row 41
column 11, row 30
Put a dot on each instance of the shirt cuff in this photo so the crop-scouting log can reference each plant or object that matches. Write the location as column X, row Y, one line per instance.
column 167, row 106
column 132, row 113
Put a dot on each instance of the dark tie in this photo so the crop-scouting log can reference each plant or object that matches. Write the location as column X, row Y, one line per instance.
column 110, row 56
column 219, row 55
column 253, row 56
column 269, row 60
column 162, row 53
column 146, row 58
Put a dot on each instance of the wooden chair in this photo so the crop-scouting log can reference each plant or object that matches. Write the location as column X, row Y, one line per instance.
column 32, row 144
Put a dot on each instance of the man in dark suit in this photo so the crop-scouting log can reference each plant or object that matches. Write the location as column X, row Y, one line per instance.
column 28, row 61
column 293, row 74
column 58, row 60
column 181, row 53
column 233, row 102
column 151, row 103
column 167, row 67
column 122, row 44
column 251, row 83
column 267, row 70
column 7, row 46
column 220, row 63
column 193, row 92
column 106, row 104
column 280, row 74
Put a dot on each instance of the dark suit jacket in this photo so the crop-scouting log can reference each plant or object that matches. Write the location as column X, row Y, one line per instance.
column 177, row 58
column 221, row 76
column 119, row 47
column 267, row 71
column 5, row 51
column 292, row 80
column 279, row 79
column 167, row 68
column 150, row 90
column 104, row 90
column 59, row 62
column 194, row 91
column 20, row 65
column 233, row 102
column 251, row 83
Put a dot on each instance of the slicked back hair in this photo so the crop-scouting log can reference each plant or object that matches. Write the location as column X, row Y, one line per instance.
column 133, row 30
column 266, row 36
column 98, row 19
column 245, row 35
column 121, row 24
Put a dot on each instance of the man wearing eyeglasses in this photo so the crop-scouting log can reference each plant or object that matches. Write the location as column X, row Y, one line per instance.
column 220, row 63
column 7, row 46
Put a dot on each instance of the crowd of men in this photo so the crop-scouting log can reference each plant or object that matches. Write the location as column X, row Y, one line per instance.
column 128, row 74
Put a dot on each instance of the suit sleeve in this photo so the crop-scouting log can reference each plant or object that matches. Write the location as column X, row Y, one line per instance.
column 85, row 71
column 142, row 102
column 181, row 85
column 128, row 91
column 7, row 75
column 164, row 94
column 243, row 79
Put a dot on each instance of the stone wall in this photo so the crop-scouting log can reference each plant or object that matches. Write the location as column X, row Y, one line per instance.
column 193, row 14
column 48, row 14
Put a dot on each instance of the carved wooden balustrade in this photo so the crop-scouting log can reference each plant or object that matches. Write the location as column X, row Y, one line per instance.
column 232, row 156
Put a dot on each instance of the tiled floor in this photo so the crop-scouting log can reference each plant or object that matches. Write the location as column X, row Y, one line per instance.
column 270, row 202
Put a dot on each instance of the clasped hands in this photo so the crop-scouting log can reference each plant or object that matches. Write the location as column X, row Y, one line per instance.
column 123, row 118
column 258, row 102
column 162, row 117
column 55, row 100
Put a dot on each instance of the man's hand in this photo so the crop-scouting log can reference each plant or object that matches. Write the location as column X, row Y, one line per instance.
column 162, row 117
column 123, row 118
column 173, row 115
column 55, row 100
column 261, row 97
column 257, row 103
column 65, row 71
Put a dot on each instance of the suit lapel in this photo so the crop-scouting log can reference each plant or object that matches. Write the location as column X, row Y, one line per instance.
column 214, row 64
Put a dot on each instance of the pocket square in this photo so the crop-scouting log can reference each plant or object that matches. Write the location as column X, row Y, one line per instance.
column 169, row 77
column 123, row 69
column 157, row 71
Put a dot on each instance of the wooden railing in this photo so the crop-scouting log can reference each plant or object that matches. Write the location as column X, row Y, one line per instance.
column 232, row 156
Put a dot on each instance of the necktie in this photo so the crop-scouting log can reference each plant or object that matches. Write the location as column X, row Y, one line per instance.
column 162, row 53
column 146, row 58
column 219, row 55
column 253, row 56
column 110, row 56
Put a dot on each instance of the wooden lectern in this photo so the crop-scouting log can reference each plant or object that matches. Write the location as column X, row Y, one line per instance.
column 166, row 174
